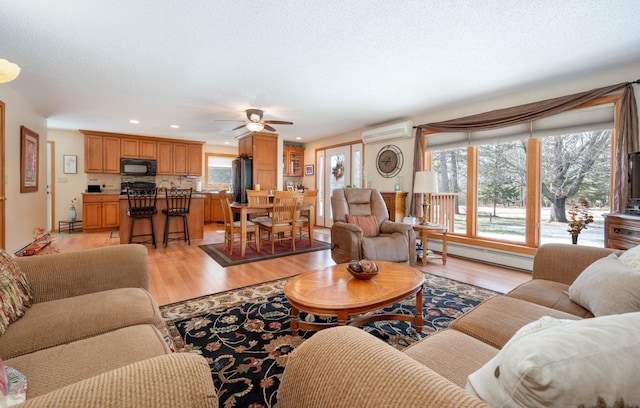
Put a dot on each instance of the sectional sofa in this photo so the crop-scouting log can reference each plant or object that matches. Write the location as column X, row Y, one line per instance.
column 93, row 335
column 534, row 346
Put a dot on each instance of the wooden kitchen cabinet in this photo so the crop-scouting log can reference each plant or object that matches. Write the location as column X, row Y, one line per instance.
column 104, row 150
column 206, row 203
column 293, row 159
column 165, row 158
column 216, row 208
column 263, row 147
column 100, row 211
column 180, row 159
column 138, row 148
column 101, row 154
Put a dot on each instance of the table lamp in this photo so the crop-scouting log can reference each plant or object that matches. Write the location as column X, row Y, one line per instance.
column 426, row 183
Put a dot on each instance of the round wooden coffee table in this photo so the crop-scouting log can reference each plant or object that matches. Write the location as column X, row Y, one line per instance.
column 332, row 291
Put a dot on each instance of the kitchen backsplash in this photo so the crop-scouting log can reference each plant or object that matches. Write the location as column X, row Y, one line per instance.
column 113, row 181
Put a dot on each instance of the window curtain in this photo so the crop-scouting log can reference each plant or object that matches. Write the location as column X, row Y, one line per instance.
column 415, row 208
column 627, row 132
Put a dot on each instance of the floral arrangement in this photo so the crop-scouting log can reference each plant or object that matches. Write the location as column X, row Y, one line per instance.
column 579, row 217
column 73, row 202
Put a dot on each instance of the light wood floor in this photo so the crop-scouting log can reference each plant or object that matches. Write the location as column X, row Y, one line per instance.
column 181, row 272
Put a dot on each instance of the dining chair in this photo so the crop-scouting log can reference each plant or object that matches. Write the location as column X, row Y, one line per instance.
column 308, row 204
column 178, row 205
column 231, row 227
column 256, row 198
column 281, row 219
column 142, row 205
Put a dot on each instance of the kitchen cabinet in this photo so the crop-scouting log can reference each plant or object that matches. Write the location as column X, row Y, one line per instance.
column 263, row 147
column 216, row 208
column 293, row 159
column 213, row 208
column 104, row 150
column 138, row 148
column 180, row 159
column 101, row 154
column 165, row 158
column 100, row 211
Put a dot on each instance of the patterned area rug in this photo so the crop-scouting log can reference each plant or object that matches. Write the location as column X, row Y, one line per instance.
column 221, row 255
column 245, row 336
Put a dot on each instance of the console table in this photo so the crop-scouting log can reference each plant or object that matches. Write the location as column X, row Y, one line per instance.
column 621, row 231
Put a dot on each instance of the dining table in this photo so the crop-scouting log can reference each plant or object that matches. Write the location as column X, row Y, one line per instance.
column 245, row 210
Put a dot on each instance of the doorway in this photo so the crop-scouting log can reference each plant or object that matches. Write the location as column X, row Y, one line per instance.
column 334, row 171
column 51, row 171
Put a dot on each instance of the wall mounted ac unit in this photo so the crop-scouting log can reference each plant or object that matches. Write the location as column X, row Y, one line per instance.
column 400, row 130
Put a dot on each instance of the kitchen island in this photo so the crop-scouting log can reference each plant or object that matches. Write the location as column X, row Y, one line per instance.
column 196, row 220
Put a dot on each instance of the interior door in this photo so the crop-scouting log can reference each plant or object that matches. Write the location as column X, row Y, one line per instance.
column 337, row 174
column 2, row 179
column 51, row 170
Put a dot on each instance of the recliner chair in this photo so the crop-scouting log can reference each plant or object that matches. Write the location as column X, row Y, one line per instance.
column 393, row 241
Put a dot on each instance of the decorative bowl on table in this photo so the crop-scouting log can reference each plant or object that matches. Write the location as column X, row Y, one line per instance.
column 363, row 269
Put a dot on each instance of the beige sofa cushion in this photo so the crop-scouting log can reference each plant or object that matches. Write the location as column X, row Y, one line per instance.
column 50, row 369
column 549, row 294
column 496, row 320
column 15, row 291
column 61, row 321
column 564, row 363
column 606, row 287
column 441, row 353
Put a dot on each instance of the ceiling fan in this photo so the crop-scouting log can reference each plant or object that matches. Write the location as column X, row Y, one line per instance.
column 256, row 124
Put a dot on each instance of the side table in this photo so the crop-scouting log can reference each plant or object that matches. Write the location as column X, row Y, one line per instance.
column 69, row 225
column 422, row 230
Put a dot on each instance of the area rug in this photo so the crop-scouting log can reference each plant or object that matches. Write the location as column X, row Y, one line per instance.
column 245, row 336
column 221, row 255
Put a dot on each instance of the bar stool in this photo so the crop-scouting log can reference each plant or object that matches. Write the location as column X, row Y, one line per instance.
column 178, row 204
column 142, row 204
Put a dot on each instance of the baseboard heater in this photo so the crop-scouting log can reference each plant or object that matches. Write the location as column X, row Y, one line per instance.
column 492, row 256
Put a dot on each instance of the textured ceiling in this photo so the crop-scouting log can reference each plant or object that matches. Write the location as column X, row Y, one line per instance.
column 329, row 66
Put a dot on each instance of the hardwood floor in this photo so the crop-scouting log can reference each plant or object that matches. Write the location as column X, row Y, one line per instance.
column 181, row 272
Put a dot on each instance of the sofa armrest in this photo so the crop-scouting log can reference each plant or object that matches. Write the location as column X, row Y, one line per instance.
column 564, row 262
column 172, row 380
column 347, row 367
column 77, row 273
column 346, row 242
column 389, row 227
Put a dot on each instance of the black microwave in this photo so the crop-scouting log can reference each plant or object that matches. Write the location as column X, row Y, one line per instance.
column 137, row 167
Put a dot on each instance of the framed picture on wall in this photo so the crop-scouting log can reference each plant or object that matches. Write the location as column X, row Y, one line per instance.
column 308, row 170
column 29, row 148
column 70, row 163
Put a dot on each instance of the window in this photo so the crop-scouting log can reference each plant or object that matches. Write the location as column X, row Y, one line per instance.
column 218, row 170
column 451, row 166
column 554, row 163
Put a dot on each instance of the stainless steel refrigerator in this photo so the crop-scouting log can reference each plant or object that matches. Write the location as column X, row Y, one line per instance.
column 242, row 178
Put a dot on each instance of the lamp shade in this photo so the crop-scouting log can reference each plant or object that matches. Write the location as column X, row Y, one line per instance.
column 8, row 71
column 425, row 182
column 255, row 126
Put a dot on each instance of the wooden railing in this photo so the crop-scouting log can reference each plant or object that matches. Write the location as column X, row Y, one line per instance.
column 443, row 209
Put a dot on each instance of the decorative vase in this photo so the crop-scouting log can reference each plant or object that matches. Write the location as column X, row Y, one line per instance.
column 72, row 213
column 574, row 239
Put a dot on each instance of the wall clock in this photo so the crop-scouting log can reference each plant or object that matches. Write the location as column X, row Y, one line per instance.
column 389, row 161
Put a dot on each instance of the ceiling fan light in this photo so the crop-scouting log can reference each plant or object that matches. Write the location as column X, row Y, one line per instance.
column 255, row 126
column 8, row 71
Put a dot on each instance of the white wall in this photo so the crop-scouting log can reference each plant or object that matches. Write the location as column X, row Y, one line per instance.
column 68, row 186
column 27, row 211
column 625, row 73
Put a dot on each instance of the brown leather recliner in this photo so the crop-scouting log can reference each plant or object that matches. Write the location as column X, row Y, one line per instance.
column 395, row 242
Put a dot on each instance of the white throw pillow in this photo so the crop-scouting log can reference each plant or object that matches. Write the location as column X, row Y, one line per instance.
column 565, row 363
column 631, row 257
column 606, row 287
